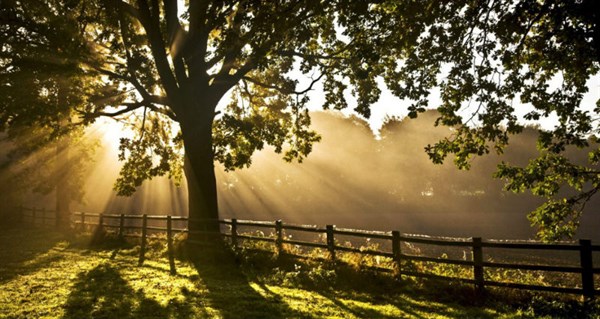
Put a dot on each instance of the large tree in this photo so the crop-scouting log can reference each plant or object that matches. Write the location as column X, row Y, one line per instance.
column 182, row 62
column 176, row 60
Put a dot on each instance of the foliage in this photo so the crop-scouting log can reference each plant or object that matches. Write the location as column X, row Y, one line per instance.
column 43, row 83
column 486, row 55
column 483, row 56
column 152, row 151
column 545, row 176
column 42, row 88
column 34, row 163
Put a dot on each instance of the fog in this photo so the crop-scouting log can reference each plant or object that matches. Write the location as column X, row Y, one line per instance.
column 352, row 179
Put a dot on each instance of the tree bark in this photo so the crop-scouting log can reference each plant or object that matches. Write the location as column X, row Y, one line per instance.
column 196, row 128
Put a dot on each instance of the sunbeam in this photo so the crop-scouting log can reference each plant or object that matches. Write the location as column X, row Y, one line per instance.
column 351, row 179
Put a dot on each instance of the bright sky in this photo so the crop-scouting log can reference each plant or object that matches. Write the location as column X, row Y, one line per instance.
column 389, row 105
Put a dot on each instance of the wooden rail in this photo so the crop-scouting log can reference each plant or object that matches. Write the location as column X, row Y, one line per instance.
column 330, row 233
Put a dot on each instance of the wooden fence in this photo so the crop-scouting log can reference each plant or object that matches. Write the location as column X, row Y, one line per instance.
column 39, row 216
column 476, row 245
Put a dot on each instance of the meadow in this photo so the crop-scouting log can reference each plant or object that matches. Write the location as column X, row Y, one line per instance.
column 46, row 274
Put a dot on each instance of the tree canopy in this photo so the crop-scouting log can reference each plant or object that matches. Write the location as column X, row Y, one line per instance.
column 491, row 55
column 43, row 89
column 173, row 61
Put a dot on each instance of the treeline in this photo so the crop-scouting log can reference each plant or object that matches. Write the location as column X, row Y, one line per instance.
column 354, row 178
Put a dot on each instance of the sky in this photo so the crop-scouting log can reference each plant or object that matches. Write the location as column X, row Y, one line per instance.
column 390, row 105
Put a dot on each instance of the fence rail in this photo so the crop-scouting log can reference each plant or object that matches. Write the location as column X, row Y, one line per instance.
column 476, row 245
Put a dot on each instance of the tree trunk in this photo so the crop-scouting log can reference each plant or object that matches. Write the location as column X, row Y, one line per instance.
column 196, row 128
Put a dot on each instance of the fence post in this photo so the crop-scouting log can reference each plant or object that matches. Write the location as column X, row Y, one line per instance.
column 82, row 221
column 330, row 242
column 478, row 264
column 170, row 246
column 279, row 234
column 397, row 252
column 33, row 216
column 43, row 216
column 121, row 225
column 234, row 234
column 143, row 245
column 587, row 271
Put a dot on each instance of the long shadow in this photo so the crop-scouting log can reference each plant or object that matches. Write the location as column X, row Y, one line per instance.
column 369, row 313
column 230, row 291
column 103, row 293
column 373, row 288
column 409, row 306
column 26, row 250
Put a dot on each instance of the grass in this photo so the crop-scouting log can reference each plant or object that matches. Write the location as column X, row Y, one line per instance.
column 45, row 274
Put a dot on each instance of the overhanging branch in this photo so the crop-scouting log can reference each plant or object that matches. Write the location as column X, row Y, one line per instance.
column 283, row 90
column 151, row 25
column 129, row 107
column 156, row 99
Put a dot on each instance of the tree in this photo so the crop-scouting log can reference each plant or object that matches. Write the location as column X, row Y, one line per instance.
column 485, row 57
column 43, row 165
column 181, row 59
column 42, row 87
column 181, row 65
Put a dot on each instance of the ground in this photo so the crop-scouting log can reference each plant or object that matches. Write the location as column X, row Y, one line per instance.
column 45, row 274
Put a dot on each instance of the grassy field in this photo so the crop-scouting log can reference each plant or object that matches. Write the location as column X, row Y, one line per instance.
column 44, row 274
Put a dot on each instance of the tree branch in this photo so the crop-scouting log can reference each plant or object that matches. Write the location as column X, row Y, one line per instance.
column 157, row 99
column 177, row 40
column 282, row 90
column 131, row 10
column 133, row 78
column 538, row 16
column 129, row 107
column 194, row 48
column 152, row 27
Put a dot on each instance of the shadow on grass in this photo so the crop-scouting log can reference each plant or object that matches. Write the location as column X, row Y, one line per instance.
column 365, row 293
column 26, row 250
column 229, row 290
column 103, row 293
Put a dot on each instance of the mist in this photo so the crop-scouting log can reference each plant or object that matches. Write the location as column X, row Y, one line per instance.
column 352, row 179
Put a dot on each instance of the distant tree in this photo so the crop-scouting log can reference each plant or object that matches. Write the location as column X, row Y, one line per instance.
column 38, row 164
column 483, row 55
column 42, row 89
